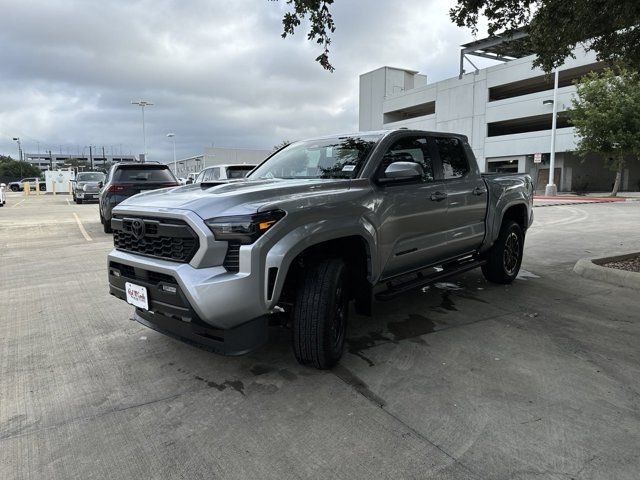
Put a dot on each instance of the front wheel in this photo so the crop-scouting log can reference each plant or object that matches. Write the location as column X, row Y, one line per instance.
column 320, row 314
column 505, row 257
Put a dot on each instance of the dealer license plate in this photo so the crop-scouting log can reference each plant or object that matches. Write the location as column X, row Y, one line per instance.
column 137, row 295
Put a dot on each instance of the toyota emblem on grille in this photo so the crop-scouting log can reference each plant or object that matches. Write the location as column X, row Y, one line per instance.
column 137, row 229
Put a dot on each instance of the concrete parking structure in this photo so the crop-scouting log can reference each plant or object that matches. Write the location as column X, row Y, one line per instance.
column 463, row 380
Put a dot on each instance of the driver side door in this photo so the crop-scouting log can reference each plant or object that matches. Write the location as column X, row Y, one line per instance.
column 413, row 232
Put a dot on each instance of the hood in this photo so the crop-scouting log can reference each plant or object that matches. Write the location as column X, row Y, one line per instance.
column 238, row 198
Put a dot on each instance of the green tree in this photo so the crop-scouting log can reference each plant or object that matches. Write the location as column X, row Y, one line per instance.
column 282, row 144
column 606, row 116
column 609, row 27
column 321, row 24
column 12, row 170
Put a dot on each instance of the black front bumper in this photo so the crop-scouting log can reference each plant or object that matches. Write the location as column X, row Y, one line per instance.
column 171, row 314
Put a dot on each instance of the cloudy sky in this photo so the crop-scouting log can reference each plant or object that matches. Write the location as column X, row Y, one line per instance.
column 216, row 70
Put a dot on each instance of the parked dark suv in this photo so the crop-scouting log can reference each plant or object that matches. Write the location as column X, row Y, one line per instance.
column 128, row 179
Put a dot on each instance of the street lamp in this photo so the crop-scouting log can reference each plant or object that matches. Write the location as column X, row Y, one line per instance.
column 17, row 139
column 172, row 136
column 552, row 189
column 142, row 104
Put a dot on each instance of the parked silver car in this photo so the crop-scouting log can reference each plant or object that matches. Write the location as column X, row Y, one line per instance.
column 318, row 224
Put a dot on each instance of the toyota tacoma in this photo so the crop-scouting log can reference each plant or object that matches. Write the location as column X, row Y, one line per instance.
column 317, row 225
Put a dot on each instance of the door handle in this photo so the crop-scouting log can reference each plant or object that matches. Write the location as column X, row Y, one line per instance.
column 438, row 196
column 479, row 191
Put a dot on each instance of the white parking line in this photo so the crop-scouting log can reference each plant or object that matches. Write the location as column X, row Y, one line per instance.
column 16, row 204
column 81, row 227
column 68, row 201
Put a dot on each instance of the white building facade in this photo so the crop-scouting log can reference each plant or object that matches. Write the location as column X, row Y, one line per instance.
column 505, row 111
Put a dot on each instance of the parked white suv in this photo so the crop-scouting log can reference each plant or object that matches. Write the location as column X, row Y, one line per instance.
column 222, row 173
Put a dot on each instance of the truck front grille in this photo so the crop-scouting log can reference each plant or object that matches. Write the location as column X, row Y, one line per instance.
column 168, row 239
column 232, row 258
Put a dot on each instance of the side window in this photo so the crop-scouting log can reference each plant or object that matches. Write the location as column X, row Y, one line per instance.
column 454, row 160
column 211, row 174
column 410, row 149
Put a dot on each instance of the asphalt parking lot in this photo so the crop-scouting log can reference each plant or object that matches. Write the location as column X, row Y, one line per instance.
column 465, row 380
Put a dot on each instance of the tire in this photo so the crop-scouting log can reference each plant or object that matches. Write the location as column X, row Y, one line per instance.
column 15, row 188
column 79, row 201
column 505, row 257
column 320, row 314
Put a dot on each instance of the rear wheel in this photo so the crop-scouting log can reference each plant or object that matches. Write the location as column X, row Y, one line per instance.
column 505, row 257
column 320, row 314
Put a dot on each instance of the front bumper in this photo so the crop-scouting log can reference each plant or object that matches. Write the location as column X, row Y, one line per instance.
column 218, row 298
column 87, row 196
column 171, row 311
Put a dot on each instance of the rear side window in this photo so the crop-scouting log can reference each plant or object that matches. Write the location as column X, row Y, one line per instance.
column 238, row 172
column 454, row 160
column 142, row 174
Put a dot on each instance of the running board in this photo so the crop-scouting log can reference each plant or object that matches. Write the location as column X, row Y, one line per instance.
column 422, row 280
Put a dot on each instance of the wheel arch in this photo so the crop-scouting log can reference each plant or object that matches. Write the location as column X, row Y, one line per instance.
column 289, row 255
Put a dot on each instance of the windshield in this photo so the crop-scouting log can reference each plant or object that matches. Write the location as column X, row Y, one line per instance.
column 326, row 158
column 90, row 177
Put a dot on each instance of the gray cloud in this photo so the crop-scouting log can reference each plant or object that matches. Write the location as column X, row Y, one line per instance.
column 217, row 71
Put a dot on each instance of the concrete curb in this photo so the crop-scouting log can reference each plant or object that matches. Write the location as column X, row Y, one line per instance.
column 592, row 268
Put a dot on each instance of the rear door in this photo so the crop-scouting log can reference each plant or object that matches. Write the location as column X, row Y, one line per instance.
column 414, row 230
column 466, row 195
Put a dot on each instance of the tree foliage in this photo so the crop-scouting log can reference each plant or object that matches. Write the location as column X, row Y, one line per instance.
column 12, row 170
column 282, row 144
column 606, row 116
column 609, row 27
column 321, row 24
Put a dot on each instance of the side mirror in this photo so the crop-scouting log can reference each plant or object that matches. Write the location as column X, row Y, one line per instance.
column 3, row 185
column 401, row 172
column 100, row 184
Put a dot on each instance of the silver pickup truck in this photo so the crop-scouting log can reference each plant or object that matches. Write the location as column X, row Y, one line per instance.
column 317, row 225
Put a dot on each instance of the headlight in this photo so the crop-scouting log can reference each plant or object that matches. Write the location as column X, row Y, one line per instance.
column 245, row 229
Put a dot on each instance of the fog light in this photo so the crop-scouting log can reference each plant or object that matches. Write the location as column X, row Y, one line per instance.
column 115, row 273
column 169, row 289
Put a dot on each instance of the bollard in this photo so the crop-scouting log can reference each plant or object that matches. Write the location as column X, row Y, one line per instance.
column 26, row 188
column 70, row 188
column 38, row 187
column 53, row 190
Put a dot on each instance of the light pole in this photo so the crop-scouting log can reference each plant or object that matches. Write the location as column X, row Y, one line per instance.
column 17, row 139
column 551, row 188
column 172, row 136
column 142, row 104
